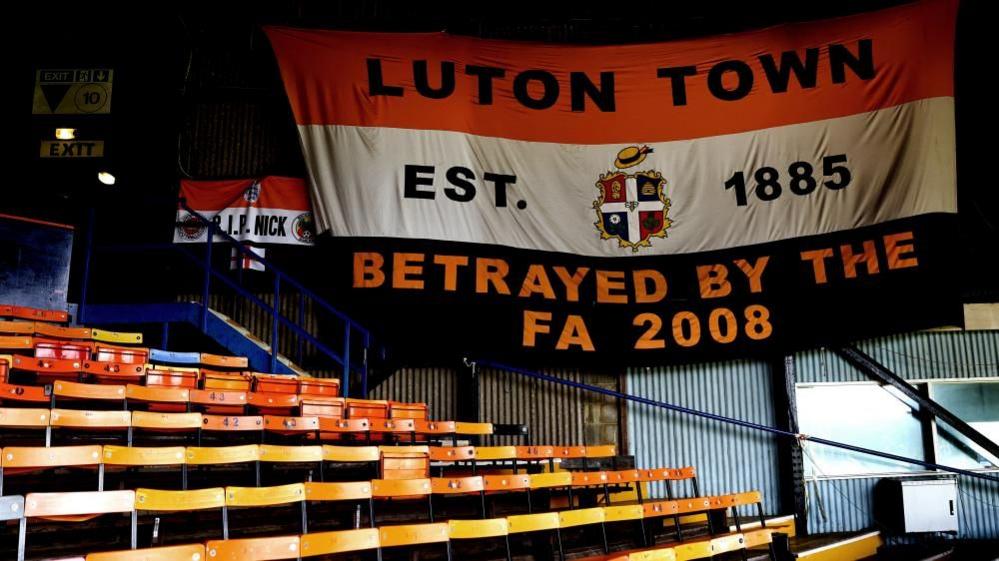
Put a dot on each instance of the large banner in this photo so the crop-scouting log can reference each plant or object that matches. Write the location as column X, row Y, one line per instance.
column 745, row 193
column 272, row 210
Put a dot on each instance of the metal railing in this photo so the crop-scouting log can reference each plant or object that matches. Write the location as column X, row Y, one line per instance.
column 354, row 338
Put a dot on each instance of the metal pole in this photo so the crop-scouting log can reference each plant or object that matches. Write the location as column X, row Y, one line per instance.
column 208, row 277
column 345, row 383
column 275, row 310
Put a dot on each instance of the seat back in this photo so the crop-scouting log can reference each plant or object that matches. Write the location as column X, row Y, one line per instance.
column 172, row 501
column 79, row 503
column 189, row 552
column 71, row 418
column 580, row 517
column 400, row 488
column 477, row 529
column 121, row 355
column 35, row 457
column 224, row 381
column 506, row 482
column 349, row 491
column 343, row 541
column 548, row 480
column 217, row 455
column 144, row 456
column 166, row 421
column 522, row 523
column 351, row 454
column 223, row 361
column 495, row 453
column 285, row 454
column 155, row 394
column 95, row 392
column 473, row 429
column 457, row 485
column 115, row 336
column 412, row 534
column 172, row 377
column 290, row 425
column 254, row 549
column 367, row 409
column 417, row 411
column 319, row 387
column 264, row 496
column 399, row 463
column 231, row 423
column 24, row 418
column 452, row 453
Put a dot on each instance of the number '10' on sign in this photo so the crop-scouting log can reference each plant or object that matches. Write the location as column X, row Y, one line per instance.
column 800, row 180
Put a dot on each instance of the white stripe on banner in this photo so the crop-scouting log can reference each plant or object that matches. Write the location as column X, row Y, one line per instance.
column 900, row 163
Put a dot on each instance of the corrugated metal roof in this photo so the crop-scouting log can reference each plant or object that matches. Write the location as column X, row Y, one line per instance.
column 727, row 458
column 913, row 356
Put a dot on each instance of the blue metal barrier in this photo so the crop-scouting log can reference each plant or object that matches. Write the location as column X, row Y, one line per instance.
column 724, row 419
column 283, row 283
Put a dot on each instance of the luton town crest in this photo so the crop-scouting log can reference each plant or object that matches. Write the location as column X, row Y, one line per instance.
column 632, row 207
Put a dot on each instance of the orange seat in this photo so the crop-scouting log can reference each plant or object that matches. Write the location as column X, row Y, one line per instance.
column 402, row 463
column 166, row 422
column 71, row 418
column 319, row 387
column 424, row 427
column 273, row 403
column 224, row 361
column 232, row 423
column 355, row 491
column 274, row 383
column 229, row 381
column 254, row 549
column 65, row 350
column 36, row 314
column 452, row 453
column 190, row 552
column 49, row 368
column 159, row 398
column 31, row 458
column 16, row 341
column 342, row 541
column 329, row 407
column 403, row 489
column 25, row 394
column 73, row 507
column 218, row 401
column 115, row 372
column 412, row 534
column 90, row 392
column 367, row 409
column 24, row 418
column 337, row 429
column 62, row 332
column 172, row 377
column 290, row 425
column 399, row 410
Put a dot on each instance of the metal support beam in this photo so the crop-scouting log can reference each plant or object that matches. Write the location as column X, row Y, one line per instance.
column 876, row 371
column 790, row 461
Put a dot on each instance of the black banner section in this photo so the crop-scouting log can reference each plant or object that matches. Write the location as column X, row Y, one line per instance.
column 431, row 300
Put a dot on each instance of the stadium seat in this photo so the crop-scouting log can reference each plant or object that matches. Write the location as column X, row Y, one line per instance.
column 404, row 462
column 353, row 491
column 156, row 398
column 79, row 421
column 584, row 517
column 413, row 534
column 272, row 403
column 461, row 486
column 535, row 455
column 312, row 456
column 496, row 455
column 227, row 381
column 132, row 458
column 391, row 430
column 254, row 549
column 415, row 411
column 427, row 430
column 552, row 481
column 171, row 377
column 121, row 355
column 507, row 483
column 114, row 372
column 73, row 507
column 396, row 489
column 459, row 530
column 156, row 422
column 318, row 387
column 328, row 407
column 18, row 393
column 370, row 409
column 189, row 552
column 27, row 419
column 15, row 459
column 115, row 336
column 634, row 514
column 65, row 391
column 223, row 361
column 547, row 522
column 342, row 541
column 344, row 429
column 452, row 456
column 273, row 383
column 156, row 500
column 219, row 401
column 283, row 425
column 202, row 458
column 255, row 497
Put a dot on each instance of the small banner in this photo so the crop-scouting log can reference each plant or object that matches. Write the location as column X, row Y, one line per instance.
column 239, row 260
column 272, row 210
column 742, row 194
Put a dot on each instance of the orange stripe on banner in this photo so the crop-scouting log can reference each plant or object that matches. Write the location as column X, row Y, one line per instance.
column 327, row 76
column 285, row 193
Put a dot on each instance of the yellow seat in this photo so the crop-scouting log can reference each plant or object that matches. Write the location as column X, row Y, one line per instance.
column 80, row 504
column 580, row 517
column 548, row 480
column 115, row 336
column 622, row 513
column 476, row 529
column 495, row 453
column 522, row 523
column 143, row 456
column 343, row 541
column 412, row 534
column 254, row 549
column 349, row 491
column 264, row 496
column 282, row 454
column 191, row 552
column 222, row 454
column 198, row 499
column 663, row 554
column 166, row 421
column 351, row 453
column 692, row 550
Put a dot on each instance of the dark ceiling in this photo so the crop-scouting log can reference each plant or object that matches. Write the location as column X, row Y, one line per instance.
column 197, row 94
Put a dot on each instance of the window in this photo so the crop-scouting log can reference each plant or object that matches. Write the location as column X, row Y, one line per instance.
column 976, row 403
column 867, row 415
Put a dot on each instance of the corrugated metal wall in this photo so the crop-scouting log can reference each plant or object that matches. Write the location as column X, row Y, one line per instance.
column 434, row 386
column 727, row 458
column 914, row 356
column 553, row 413
column 848, row 506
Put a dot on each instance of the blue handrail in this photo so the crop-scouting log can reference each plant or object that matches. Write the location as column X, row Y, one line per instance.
column 724, row 419
column 282, row 281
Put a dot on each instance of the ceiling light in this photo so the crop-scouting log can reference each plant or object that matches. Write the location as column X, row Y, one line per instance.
column 65, row 134
column 105, row 178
